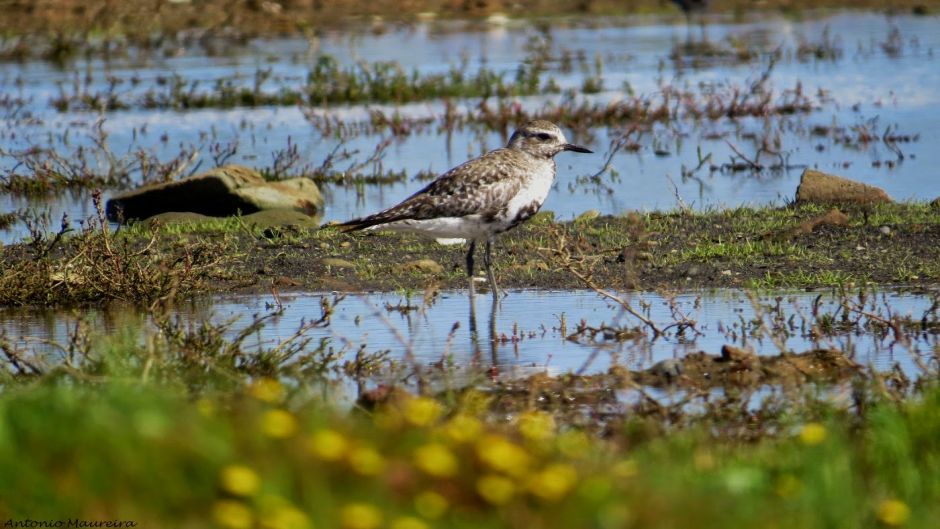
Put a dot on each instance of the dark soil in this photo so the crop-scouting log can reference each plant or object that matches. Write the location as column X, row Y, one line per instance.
column 793, row 247
column 736, row 248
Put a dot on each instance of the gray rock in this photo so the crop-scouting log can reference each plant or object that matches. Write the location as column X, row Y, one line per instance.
column 219, row 192
column 668, row 369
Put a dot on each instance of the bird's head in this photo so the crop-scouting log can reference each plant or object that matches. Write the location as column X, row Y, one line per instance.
column 543, row 139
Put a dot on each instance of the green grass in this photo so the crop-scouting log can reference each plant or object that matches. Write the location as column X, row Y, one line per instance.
column 801, row 278
column 255, row 458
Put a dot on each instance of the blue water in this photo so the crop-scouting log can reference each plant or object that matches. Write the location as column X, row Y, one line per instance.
column 866, row 86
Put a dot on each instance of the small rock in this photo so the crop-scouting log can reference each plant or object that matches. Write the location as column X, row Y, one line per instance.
column 284, row 281
column 334, row 262
column 885, row 230
column 833, row 217
column 668, row 369
column 726, row 272
column 819, row 187
column 587, row 216
column 422, row 265
column 175, row 217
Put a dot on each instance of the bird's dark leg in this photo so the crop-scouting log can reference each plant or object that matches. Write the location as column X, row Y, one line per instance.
column 470, row 252
column 488, row 262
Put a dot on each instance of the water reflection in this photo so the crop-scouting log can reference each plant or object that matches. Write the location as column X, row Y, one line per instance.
column 552, row 332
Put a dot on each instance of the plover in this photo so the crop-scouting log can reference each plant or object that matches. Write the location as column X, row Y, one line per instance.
column 690, row 7
column 483, row 197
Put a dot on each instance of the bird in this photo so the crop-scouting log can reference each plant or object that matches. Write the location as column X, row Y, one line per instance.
column 689, row 7
column 483, row 197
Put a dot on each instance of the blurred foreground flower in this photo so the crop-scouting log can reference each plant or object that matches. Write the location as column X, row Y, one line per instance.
column 436, row 460
column 328, row 445
column 282, row 515
column 239, row 480
column 495, row 489
column 463, row 428
column 502, row 455
column 536, row 426
column 431, row 504
column 812, row 433
column 278, row 424
column 267, row 390
column 409, row 522
column 421, row 411
column 366, row 461
column 893, row 512
column 360, row 516
column 554, row 482
column 232, row 514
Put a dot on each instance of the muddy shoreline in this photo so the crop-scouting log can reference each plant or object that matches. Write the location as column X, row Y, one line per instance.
column 891, row 244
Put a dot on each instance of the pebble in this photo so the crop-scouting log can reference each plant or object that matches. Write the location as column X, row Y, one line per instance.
column 885, row 230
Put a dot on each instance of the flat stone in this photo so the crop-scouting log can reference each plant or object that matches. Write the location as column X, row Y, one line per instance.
column 276, row 218
column 819, row 187
column 176, row 217
column 337, row 263
column 587, row 216
column 422, row 265
column 219, row 192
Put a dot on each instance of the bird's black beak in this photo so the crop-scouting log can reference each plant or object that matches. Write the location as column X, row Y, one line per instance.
column 577, row 148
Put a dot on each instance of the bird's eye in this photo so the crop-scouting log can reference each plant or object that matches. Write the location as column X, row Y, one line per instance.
column 544, row 136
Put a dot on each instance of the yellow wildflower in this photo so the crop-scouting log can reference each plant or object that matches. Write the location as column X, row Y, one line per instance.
column 239, row 480
column 703, row 460
column 536, row 426
column 430, row 504
column 366, row 461
column 496, row 489
column 278, row 513
column 328, row 445
column 625, row 469
column 285, row 516
column 574, row 444
column 788, row 486
column 409, row 522
column 893, row 512
column 813, row 433
column 421, row 411
column 553, row 482
column 436, row 460
column 205, row 407
column 278, row 424
column 267, row 390
column 463, row 428
column 502, row 455
column 232, row 514
column 360, row 516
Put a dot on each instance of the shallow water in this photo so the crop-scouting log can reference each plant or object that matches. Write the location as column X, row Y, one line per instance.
column 531, row 329
column 866, row 86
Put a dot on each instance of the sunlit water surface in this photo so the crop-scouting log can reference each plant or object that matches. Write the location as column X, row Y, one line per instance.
column 866, row 86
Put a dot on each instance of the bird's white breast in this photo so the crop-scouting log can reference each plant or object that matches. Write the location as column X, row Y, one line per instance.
column 535, row 190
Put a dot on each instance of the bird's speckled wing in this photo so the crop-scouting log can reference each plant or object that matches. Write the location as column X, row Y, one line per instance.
column 483, row 186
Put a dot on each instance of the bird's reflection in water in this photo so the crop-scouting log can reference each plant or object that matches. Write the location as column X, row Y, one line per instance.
column 475, row 334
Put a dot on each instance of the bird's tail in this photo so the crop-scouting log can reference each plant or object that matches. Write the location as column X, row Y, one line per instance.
column 361, row 223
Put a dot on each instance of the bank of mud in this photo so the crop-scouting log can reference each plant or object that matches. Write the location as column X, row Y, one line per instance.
column 786, row 247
